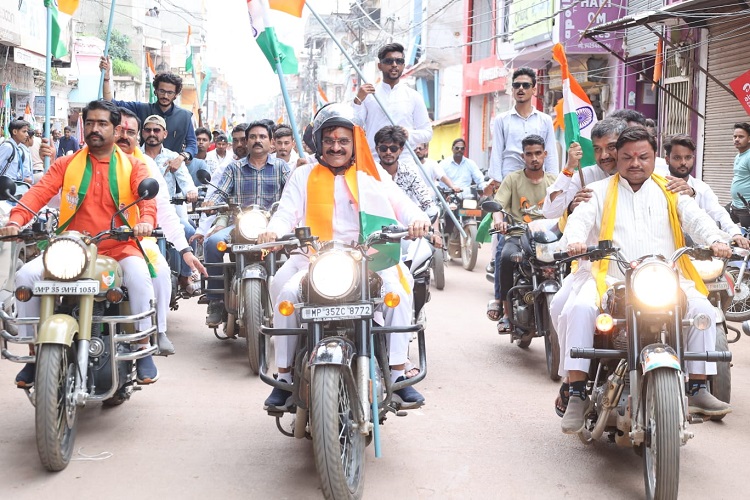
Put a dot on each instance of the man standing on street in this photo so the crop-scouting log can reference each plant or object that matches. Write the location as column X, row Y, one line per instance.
column 741, row 179
column 167, row 86
column 403, row 103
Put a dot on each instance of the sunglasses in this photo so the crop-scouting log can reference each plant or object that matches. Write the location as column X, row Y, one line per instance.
column 525, row 85
column 152, row 130
column 391, row 60
column 392, row 148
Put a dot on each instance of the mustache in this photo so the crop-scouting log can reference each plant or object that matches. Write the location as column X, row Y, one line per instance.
column 258, row 144
column 94, row 134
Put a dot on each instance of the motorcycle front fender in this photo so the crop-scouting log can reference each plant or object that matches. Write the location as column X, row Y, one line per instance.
column 58, row 329
column 659, row 356
column 254, row 271
column 332, row 351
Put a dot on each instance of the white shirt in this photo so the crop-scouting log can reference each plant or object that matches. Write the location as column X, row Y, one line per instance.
column 708, row 201
column 405, row 106
column 641, row 223
column 214, row 162
column 553, row 209
column 464, row 174
column 293, row 204
column 166, row 214
column 508, row 130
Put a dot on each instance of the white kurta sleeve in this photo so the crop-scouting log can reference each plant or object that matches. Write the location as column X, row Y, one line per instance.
column 698, row 224
column 291, row 210
column 422, row 131
column 569, row 186
column 498, row 147
column 581, row 221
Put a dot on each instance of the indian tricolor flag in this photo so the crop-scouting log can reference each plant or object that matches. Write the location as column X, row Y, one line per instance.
column 277, row 27
column 151, row 75
column 578, row 113
column 67, row 7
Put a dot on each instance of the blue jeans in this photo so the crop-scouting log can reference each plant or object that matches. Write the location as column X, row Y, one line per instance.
column 498, row 252
column 211, row 254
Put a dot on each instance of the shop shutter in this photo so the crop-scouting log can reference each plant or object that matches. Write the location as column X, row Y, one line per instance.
column 640, row 40
column 727, row 59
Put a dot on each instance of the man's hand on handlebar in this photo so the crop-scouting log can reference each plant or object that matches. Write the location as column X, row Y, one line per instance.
column 267, row 237
column 10, row 230
column 142, row 229
column 196, row 236
column 721, row 250
column 419, row 228
column 576, row 248
column 741, row 241
column 498, row 222
column 192, row 196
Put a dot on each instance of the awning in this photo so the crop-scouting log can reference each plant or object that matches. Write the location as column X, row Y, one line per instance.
column 692, row 12
column 454, row 118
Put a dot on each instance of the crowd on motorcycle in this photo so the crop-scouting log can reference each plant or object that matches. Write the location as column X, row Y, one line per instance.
column 327, row 255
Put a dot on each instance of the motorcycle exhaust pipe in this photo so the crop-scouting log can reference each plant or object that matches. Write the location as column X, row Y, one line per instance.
column 615, row 383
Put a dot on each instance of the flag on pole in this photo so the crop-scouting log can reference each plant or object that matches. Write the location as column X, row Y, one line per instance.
column 578, row 113
column 223, row 124
column 658, row 63
column 275, row 28
column 189, row 48
column 59, row 49
column 79, row 129
column 204, row 87
column 68, row 6
column 151, row 75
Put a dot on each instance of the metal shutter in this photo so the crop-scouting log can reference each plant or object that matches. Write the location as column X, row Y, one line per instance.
column 640, row 40
column 727, row 59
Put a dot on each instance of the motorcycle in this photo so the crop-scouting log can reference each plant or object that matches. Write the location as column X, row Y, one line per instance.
column 536, row 280
column 467, row 212
column 247, row 277
column 637, row 377
column 83, row 334
column 343, row 389
column 739, row 308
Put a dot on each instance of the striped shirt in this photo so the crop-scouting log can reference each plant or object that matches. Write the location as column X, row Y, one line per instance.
column 248, row 185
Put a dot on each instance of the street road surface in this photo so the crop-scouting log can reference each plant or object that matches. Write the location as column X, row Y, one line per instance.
column 488, row 429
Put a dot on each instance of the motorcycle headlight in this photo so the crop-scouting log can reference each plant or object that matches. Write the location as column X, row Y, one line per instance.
column 469, row 204
column 66, row 258
column 709, row 270
column 251, row 224
column 655, row 284
column 334, row 275
column 544, row 251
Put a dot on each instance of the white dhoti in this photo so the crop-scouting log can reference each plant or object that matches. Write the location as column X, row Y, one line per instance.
column 286, row 286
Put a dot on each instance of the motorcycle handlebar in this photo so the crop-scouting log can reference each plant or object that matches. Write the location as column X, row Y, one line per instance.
column 212, row 208
column 566, row 256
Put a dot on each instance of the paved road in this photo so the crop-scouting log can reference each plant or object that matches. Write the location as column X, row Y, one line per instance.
column 488, row 430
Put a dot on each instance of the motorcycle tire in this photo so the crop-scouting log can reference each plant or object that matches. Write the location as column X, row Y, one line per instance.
column 721, row 383
column 661, row 453
column 552, row 349
column 56, row 416
column 739, row 308
column 469, row 248
column 338, row 446
column 438, row 268
column 253, row 319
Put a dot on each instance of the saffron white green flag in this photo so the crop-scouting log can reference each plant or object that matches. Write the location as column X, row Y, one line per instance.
column 277, row 28
column 579, row 115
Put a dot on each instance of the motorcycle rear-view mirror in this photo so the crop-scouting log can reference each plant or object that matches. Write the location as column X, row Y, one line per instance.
column 491, row 206
column 148, row 189
column 203, row 176
column 7, row 188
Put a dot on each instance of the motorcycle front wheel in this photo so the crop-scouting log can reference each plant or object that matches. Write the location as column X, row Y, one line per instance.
column 56, row 412
column 661, row 453
column 252, row 293
column 469, row 247
column 438, row 268
column 338, row 444
column 721, row 383
column 739, row 308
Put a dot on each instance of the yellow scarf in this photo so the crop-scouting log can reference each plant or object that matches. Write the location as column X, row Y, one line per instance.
column 599, row 268
column 77, row 179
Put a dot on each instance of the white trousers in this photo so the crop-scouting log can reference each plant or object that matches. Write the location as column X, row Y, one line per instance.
column 163, row 292
column 574, row 312
column 285, row 286
column 135, row 277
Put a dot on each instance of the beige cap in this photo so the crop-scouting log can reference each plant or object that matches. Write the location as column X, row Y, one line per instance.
column 156, row 119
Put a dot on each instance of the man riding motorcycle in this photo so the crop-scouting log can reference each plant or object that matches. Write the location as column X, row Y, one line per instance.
column 88, row 204
column 321, row 197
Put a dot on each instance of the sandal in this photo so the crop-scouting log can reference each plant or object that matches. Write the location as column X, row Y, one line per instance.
column 503, row 326
column 410, row 371
column 494, row 309
column 561, row 402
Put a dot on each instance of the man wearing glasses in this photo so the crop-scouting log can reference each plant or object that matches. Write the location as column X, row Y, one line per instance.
column 403, row 103
column 461, row 170
column 181, row 137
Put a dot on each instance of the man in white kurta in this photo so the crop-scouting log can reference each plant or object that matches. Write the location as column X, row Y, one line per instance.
column 641, row 227
column 336, row 152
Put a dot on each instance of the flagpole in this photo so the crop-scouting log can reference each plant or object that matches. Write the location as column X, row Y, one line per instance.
column 48, row 86
column 106, row 46
column 448, row 211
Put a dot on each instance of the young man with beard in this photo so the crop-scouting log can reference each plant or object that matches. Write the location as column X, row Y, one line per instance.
column 403, row 103
column 521, row 194
column 284, row 143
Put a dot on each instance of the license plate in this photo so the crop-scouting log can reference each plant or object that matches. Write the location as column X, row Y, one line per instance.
column 85, row 287
column 327, row 313
column 469, row 213
column 242, row 248
column 717, row 285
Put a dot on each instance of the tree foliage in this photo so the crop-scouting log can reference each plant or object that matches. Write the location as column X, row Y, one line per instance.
column 119, row 46
column 125, row 68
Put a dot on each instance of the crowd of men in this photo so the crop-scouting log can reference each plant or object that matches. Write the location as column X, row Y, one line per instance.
column 262, row 166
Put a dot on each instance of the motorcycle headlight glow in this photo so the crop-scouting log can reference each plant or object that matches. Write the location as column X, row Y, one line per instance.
column 334, row 275
column 655, row 284
column 66, row 258
column 251, row 224
column 544, row 251
column 709, row 270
